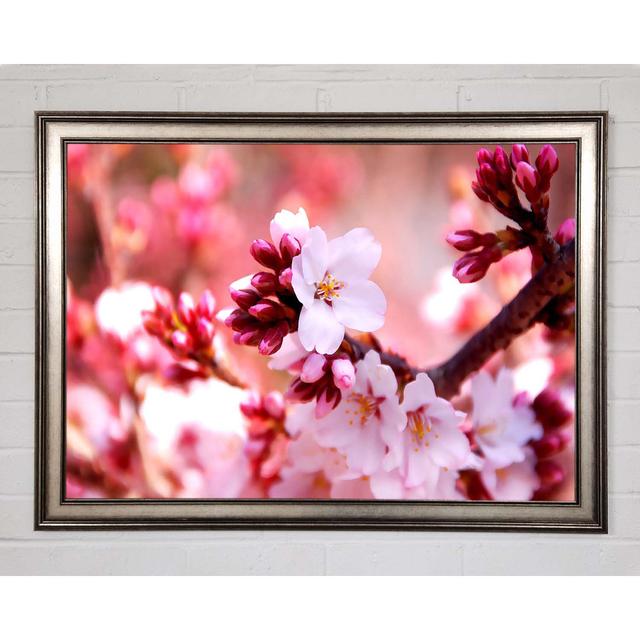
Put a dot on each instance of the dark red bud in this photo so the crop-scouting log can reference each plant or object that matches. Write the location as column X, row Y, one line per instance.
column 484, row 156
column 272, row 340
column 550, row 410
column 547, row 161
column 182, row 342
column 152, row 324
column 164, row 301
column 186, row 309
column 204, row 331
column 465, row 239
column 550, row 473
column 289, row 248
column 519, row 153
column 489, row 179
column 501, row 163
column 249, row 337
column 285, row 277
column 480, row 192
column 550, row 444
column 265, row 283
column 207, row 305
column 267, row 310
column 566, row 231
column 244, row 298
column 266, row 254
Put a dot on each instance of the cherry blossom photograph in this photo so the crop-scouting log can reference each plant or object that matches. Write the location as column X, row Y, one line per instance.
column 356, row 321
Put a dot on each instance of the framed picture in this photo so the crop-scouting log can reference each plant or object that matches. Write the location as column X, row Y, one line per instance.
column 371, row 321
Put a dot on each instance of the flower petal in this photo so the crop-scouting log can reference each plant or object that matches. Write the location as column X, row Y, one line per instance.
column 418, row 393
column 295, row 224
column 305, row 291
column 354, row 255
column 318, row 328
column 361, row 306
column 314, row 256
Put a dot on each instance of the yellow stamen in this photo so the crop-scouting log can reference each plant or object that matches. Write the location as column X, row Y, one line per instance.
column 328, row 288
column 364, row 407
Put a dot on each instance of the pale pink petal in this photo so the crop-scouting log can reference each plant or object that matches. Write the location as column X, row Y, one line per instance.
column 387, row 486
column 450, row 449
column 314, row 256
column 418, row 393
column 291, row 352
column 361, row 305
column 354, row 255
column 305, row 291
column 318, row 328
column 367, row 456
column 295, row 224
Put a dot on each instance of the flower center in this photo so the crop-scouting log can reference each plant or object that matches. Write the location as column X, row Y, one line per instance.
column 486, row 429
column 328, row 288
column 362, row 407
column 420, row 427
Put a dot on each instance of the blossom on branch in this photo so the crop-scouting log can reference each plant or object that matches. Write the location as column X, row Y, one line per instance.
column 331, row 280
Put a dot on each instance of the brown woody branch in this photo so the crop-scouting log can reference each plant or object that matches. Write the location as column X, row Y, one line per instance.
column 516, row 317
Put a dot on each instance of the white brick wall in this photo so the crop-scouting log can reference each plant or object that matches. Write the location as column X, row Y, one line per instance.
column 282, row 88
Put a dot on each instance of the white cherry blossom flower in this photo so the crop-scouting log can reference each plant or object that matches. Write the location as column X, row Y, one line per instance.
column 295, row 224
column 366, row 420
column 515, row 483
column 501, row 428
column 331, row 280
column 431, row 443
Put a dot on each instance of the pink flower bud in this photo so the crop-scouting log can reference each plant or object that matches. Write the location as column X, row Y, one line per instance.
column 289, row 248
column 465, row 240
column 249, row 337
column 186, row 309
column 152, row 324
column 484, row 156
column 501, row 163
column 240, row 320
column 285, row 278
column 526, row 176
column 300, row 391
column 266, row 310
column 550, row 474
column 266, row 254
column 274, row 404
column 547, row 161
column 327, row 401
column 163, row 300
column 550, row 410
column 204, row 331
column 272, row 340
column 207, row 305
column 251, row 406
column 473, row 266
column 480, row 192
column 519, row 153
column 551, row 444
column 244, row 298
column 488, row 177
column 313, row 368
column 344, row 373
column 182, row 342
column 182, row 372
column 265, row 283
column 566, row 231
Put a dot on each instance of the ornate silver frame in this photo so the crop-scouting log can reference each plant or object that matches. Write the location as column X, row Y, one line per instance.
column 586, row 129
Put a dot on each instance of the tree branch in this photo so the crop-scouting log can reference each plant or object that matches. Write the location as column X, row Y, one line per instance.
column 516, row 317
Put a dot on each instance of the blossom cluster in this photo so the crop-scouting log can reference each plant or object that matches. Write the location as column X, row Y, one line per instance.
column 161, row 402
